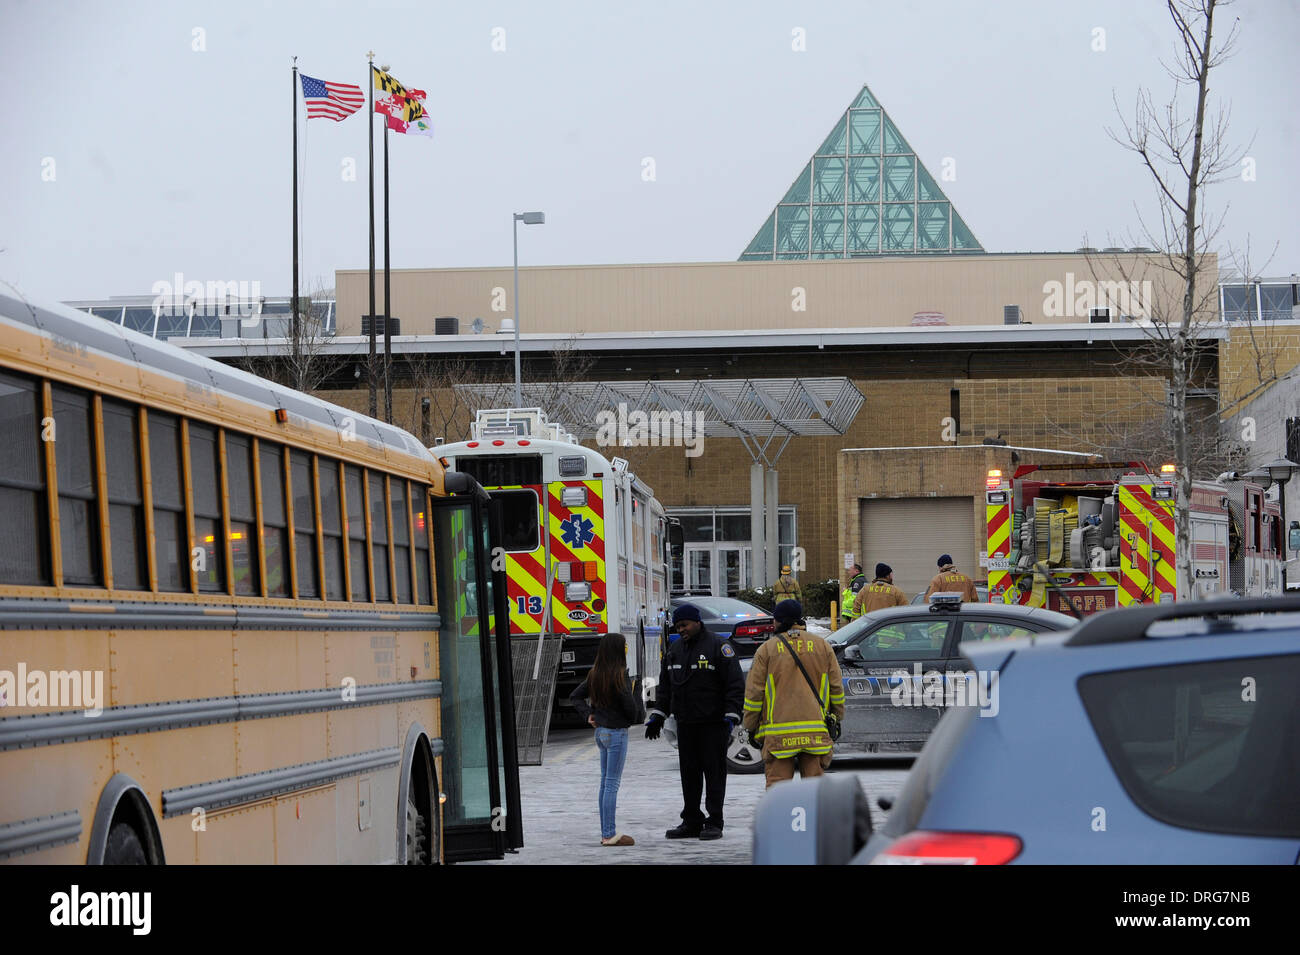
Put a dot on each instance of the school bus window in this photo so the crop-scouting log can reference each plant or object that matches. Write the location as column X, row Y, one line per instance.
column 125, row 496
column 208, row 533
column 74, row 455
column 356, row 531
column 401, row 541
column 275, row 526
column 519, row 518
column 304, row 525
column 419, row 521
column 379, row 537
column 332, row 527
column 172, row 541
column 243, row 518
column 24, row 512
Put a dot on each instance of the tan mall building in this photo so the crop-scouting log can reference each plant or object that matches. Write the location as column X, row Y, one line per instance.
column 1031, row 351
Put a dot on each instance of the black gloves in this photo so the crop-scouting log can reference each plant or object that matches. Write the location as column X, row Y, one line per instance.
column 653, row 726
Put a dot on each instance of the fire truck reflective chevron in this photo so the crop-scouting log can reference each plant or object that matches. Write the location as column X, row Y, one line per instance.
column 577, row 535
column 999, row 546
column 1090, row 542
column 1147, row 542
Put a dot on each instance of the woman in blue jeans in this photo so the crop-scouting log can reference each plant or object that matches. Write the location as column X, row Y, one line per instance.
column 606, row 701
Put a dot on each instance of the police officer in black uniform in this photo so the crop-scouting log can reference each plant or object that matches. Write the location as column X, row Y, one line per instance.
column 701, row 684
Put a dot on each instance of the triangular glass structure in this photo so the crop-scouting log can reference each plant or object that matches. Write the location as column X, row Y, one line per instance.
column 864, row 192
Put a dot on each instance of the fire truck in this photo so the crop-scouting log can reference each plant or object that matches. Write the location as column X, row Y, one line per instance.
column 585, row 542
column 1110, row 541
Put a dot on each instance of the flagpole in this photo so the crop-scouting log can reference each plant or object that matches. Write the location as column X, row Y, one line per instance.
column 388, row 310
column 293, row 309
column 370, row 121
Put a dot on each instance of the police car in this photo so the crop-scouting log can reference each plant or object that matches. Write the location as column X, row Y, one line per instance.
column 901, row 666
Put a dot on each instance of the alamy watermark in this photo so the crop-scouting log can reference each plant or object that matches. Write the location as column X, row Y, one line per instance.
column 656, row 429
column 128, row 909
column 58, row 689
column 937, row 688
column 240, row 298
column 1077, row 298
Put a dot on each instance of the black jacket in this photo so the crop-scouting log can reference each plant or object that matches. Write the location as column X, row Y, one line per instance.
column 700, row 680
column 621, row 715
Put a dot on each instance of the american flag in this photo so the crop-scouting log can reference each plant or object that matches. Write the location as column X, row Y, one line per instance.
column 334, row 101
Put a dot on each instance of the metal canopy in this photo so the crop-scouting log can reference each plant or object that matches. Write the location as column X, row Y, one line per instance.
column 758, row 411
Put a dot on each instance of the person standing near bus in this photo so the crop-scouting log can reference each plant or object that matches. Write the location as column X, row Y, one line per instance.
column 611, row 710
column 701, row 684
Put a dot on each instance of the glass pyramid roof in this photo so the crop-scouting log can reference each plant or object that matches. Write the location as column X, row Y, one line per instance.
column 865, row 192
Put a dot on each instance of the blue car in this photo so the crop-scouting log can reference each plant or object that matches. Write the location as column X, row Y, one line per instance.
column 1156, row 735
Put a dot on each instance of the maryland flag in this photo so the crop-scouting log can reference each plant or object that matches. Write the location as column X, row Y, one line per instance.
column 403, row 108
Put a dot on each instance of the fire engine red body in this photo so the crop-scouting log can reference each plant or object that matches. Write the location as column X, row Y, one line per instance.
column 1110, row 541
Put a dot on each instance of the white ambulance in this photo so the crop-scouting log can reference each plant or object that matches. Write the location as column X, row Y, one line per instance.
column 585, row 542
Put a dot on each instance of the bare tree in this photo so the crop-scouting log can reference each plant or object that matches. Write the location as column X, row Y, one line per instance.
column 450, row 410
column 1118, row 436
column 1184, row 157
column 304, row 365
column 435, row 411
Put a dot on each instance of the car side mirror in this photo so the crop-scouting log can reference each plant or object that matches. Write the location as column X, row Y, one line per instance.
column 853, row 652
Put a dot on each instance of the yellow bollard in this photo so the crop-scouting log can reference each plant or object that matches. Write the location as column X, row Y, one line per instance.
column 835, row 616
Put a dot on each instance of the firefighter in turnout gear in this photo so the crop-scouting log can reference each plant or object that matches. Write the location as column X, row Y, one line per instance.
column 786, row 587
column 700, row 683
column 950, row 580
column 882, row 593
column 783, row 713
column 850, row 593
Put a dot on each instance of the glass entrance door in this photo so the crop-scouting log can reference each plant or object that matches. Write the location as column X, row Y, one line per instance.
column 730, row 571
column 699, row 569
column 716, row 570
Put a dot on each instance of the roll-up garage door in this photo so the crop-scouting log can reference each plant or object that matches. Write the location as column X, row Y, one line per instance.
column 910, row 533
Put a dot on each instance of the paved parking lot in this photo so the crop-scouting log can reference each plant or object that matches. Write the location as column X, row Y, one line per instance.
column 562, row 823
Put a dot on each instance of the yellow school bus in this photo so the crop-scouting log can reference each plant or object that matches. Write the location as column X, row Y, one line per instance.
column 237, row 624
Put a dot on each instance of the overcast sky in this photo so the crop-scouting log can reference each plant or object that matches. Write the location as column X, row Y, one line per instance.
column 130, row 155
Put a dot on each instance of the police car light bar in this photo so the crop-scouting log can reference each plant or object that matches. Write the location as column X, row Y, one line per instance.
column 945, row 601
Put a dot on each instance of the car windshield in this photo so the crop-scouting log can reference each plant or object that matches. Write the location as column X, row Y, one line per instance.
column 849, row 631
column 722, row 608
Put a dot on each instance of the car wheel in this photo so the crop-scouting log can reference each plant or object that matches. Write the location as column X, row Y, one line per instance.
column 742, row 758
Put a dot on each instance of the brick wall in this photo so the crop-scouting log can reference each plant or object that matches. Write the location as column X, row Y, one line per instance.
column 1252, row 357
column 940, row 472
column 1063, row 412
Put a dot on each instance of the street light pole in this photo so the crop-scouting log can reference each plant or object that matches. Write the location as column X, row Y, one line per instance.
column 1281, row 471
column 528, row 218
column 519, row 403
